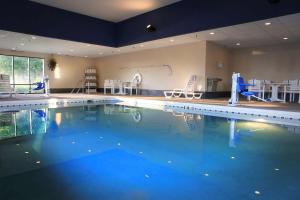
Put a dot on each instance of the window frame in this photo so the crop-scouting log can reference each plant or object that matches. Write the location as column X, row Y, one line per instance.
column 28, row 67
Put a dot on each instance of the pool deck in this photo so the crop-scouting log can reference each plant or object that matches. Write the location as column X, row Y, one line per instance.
column 290, row 107
column 280, row 113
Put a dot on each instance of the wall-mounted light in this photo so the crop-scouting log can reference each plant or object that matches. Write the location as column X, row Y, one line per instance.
column 150, row 28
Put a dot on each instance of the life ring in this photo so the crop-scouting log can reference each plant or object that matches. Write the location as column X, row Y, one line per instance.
column 137, row 78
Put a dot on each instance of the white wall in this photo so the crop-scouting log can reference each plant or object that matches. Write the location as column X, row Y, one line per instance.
column 69, row 71
column 185, row 60
column 218, row 65
column 276, row 62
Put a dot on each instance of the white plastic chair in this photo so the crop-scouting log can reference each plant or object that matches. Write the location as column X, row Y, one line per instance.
column 258, row 86
column 131, row 86
column 267, row 88
column 188, row 92
column 109, row 84
column 292, row 88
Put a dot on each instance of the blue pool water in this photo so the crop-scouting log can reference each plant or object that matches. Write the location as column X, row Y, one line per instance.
column 116, row 152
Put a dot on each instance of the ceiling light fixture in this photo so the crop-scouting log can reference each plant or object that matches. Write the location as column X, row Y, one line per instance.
column 285, row 38
column 22, row 44
column 71, row 50
column 150, row 28
column 13, row 49
column 274, row 1
column 238, row 44
column 88, row 45
column 100, row 53
column 212, row 33
column 172, row 40
column 268, row 23
column 33, row 37
column 141, row 45
column 86, row 56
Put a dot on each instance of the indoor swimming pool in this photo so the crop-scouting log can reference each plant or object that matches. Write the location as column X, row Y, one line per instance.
column 119, row 152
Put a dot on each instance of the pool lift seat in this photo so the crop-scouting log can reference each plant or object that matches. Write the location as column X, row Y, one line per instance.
column 39, row 86
column 240, row 87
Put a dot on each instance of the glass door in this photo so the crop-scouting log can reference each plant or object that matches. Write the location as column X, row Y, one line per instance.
column 21, row 74
column 6, row 66
column 36, row 72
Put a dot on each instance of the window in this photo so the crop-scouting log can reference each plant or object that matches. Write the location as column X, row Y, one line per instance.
column 23, row 71
column 21, row 74
column 6, row 66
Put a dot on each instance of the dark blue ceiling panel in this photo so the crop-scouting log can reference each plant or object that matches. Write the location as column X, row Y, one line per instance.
column 197, row 15
column 183, row 17
column 32, row 18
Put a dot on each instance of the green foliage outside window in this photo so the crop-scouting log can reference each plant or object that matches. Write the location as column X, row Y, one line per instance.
column 22, row 70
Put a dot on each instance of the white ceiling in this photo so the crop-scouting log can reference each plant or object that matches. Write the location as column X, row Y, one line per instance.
column 111, row 10
column 252, row 34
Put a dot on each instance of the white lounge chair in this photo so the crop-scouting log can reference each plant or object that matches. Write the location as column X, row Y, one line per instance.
column 5, row 87
column 189, row 91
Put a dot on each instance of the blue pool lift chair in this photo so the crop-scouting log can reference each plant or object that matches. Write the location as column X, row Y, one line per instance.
column 243, row 90
column 240, row 87
column 39, row 86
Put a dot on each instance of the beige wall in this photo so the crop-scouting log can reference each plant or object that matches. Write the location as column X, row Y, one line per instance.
column 276, row 63
column 185, row 60
column 218, row 65
column 67, row 73
column 205, row 59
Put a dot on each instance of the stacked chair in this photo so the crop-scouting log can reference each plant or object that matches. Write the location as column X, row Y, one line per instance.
column 5, row 87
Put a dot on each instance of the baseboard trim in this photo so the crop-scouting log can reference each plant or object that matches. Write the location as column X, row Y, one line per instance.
column 62, row 90
column 160, row 93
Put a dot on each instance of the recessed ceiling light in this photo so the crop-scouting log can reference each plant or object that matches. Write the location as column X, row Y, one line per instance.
column 285, row 38
column 33, row 37
column 268, row 23
column 88, row 45
column 238, row 44
column 212, row 33
column 71, row 50
column 150, row 28
column 22, row 44
column 100, row 53
column 172, row 40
